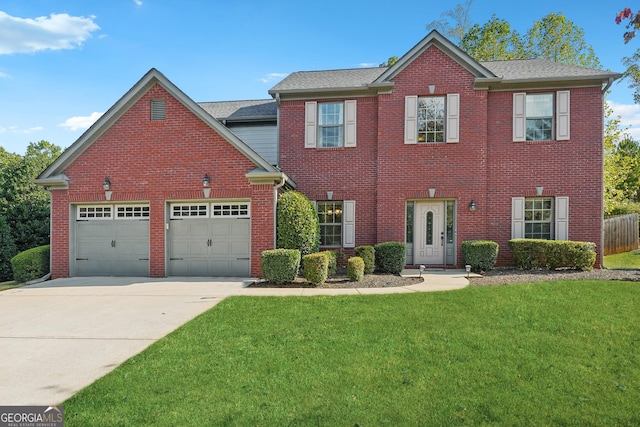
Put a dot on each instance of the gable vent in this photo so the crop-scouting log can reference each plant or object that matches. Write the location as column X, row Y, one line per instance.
column 158, row 109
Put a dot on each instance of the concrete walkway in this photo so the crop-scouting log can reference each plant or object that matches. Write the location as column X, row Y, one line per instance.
column 57, row 337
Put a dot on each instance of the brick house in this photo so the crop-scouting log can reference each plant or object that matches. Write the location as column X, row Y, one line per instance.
column 432, row 151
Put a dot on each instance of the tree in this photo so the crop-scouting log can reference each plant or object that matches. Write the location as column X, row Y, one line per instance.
column 634, row 22
column 7, row 250
column 460, row 15
column 23, row 204
column 492, row 41
column 558, row 39
column 615, row 171
column 389, row 62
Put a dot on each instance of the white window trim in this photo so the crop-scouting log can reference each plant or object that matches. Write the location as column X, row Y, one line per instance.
column 561, row 116
column 138, row 208
column 452, row 119
column 79, row 212
column 561, row 217
column 349, row 124
column 172, row 214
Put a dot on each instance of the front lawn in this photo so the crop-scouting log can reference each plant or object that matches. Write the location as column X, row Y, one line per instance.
column 623, row 260
column 554, row 353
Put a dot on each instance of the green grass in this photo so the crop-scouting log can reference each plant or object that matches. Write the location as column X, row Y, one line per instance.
column 555, row 353
column 9, row 285
column 623, row 260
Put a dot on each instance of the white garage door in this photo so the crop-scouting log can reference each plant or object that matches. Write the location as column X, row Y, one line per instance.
column 210, row 239
column 112, row 240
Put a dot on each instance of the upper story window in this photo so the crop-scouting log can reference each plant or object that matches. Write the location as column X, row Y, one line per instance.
column 431, row 119
column 539, row 110
column 330, row 124
column 541, row 116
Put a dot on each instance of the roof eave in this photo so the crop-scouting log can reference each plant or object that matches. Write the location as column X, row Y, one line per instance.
column 568, row 81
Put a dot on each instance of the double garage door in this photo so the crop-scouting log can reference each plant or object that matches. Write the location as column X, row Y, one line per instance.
column 204, row 239
column 210, row 239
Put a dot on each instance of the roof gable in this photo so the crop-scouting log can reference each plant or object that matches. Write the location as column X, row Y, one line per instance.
column 54, row 174
column 436, row 39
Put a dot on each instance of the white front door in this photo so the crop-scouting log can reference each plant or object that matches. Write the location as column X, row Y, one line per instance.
column 429, row 233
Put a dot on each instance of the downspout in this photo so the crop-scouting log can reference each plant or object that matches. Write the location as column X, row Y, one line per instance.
column 48, row 275
column 608, row 85
column 278, row 186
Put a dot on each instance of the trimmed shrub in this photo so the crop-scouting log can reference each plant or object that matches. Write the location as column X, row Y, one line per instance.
column 315, row 268
column 31, row 264
column 297, row 223
column 481, row 255
column 355, row 269
column 530, row 254
column 390, row 257
column 368, row 255
column 280, row 266
column 8, row 250
column 332, row 262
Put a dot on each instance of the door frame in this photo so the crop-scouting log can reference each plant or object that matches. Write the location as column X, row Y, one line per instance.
column 448, row 224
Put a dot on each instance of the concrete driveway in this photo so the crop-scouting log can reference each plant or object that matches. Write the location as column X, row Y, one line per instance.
column 58, row 337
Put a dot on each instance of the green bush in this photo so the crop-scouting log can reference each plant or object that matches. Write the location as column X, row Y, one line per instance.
column 355, row 269
column 390, row 257
column 280, row 266
column 315, row 268
column 31, row 264
column 368, row 255
column 8, row 250
column 332, row 260
column 481, row 255
column 553, row 254
column 297, row 223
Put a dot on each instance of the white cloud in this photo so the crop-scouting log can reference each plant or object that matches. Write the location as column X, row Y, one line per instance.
column 81, row 122
column 138, row 2
column 4, row 75
column 57, row 31
column 272, row 76
column 367, row 65
column 629, row 118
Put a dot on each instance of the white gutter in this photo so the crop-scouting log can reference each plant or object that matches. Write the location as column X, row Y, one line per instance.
column 283, row 180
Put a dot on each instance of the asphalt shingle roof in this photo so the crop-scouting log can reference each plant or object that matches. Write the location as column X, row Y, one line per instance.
column 238, row 110
column 526, row 69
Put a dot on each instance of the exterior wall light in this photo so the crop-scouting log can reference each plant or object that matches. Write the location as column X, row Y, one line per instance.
column 106, row 185
column 472, row 205
column 206, row 181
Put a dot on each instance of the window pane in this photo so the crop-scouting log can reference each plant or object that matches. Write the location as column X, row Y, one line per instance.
column 431, row 119
column 330, row 218
column 538, row 216
column 540, row 105
column 330, row 124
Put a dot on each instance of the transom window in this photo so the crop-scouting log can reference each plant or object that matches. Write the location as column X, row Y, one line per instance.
column 431, row 119
column 95, row 212
column 330, row 218
column 211, row 210
column 539, row 117
column 331, row 124
column 235, row 210
column 538, row 218
column 132, row 211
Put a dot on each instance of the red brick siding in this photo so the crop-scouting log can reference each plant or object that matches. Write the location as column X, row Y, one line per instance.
column 382, row 173
column 156, row 161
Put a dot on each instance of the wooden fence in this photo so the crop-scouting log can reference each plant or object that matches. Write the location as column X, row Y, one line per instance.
column 621, row 234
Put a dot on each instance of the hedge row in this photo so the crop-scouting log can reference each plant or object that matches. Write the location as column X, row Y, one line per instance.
column 31, row 264
column 553, row 254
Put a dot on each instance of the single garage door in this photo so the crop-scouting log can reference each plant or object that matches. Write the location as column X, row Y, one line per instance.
column 112, row 240
column 210, row 239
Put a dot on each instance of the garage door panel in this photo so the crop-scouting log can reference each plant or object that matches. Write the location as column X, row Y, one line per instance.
column 209, row 246
column 111, row 247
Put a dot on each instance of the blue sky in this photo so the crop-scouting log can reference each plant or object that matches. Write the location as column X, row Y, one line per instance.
column 65, row 62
